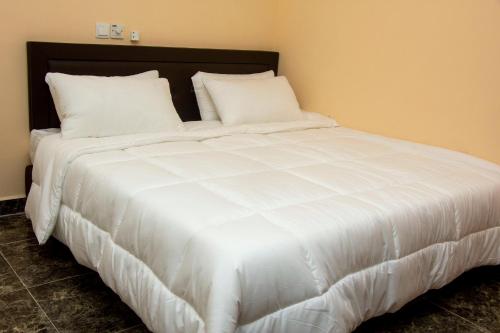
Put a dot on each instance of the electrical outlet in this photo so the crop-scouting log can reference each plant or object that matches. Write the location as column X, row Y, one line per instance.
column 135, row 36
column 116, row 31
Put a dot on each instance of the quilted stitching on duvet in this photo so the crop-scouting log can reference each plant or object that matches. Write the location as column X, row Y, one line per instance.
column 240, row 227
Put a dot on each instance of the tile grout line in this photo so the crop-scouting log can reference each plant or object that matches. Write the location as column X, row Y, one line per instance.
column 482, row 329
column 29, row 292
column 61, row 279
column 45, row 313
column 13, row 214
column 13, row 291
column 17, row 241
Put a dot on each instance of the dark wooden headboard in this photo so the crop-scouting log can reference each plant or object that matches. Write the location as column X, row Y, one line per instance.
column 175, row 64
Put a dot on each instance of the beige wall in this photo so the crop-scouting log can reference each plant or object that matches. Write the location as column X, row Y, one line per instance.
column 244, row 24
column 423, row 70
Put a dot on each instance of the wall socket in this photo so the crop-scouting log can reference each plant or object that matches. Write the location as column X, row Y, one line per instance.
column 135, row 36
column 117, row 31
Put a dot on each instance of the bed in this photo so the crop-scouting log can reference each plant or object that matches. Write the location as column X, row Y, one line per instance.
column 301, row 226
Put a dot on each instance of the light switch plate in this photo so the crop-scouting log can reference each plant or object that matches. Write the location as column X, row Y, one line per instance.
column 117, row 31
column 102, row 30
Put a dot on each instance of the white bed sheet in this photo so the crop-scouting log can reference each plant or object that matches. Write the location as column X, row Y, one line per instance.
column 294, row 227
column 36, row 136
column 198, row 125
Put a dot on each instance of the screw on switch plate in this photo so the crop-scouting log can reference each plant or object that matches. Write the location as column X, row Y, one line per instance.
column 116, row 31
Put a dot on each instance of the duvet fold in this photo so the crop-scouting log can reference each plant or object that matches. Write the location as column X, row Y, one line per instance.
column 284, row 227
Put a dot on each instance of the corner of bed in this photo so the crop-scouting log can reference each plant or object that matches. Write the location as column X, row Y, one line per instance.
column 284, row 226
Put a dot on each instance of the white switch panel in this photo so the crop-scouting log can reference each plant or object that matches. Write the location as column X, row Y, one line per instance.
column 135, row 36
column 117, row 31
column 102, row 30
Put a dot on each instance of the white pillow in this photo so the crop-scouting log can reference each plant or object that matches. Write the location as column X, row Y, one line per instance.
column 108, row 106
column 254, row 101
column 154, row 74
column 205, row 103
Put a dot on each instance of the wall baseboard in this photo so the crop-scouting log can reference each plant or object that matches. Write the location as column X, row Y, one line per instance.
column 12, row 206
column 10, row 197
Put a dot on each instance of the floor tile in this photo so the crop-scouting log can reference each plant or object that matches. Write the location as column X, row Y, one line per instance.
column 417, row 317
column 15, row 228
column 474, row 296
column 13, row 206
column 19, row 313
column 84, row 304
column 8, row 280
column 37, row 264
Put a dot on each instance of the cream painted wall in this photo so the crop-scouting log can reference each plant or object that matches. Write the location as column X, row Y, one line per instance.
column 422, row 70
column 241, row 24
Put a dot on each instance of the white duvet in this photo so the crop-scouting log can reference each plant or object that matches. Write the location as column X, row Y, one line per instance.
column 292, row 227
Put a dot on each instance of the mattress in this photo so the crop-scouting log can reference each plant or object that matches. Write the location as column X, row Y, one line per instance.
column 290, row 227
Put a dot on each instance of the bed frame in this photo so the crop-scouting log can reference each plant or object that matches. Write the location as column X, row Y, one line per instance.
column 176, row 64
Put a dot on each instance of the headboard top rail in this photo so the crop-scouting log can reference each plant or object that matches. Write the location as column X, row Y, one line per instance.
column 176, row 64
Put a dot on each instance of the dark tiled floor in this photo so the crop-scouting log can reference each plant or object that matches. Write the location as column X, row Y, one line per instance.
column 84, row 300
column 43, row 289
column 12, row 206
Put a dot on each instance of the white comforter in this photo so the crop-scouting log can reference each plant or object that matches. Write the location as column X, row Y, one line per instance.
column 294, row 227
